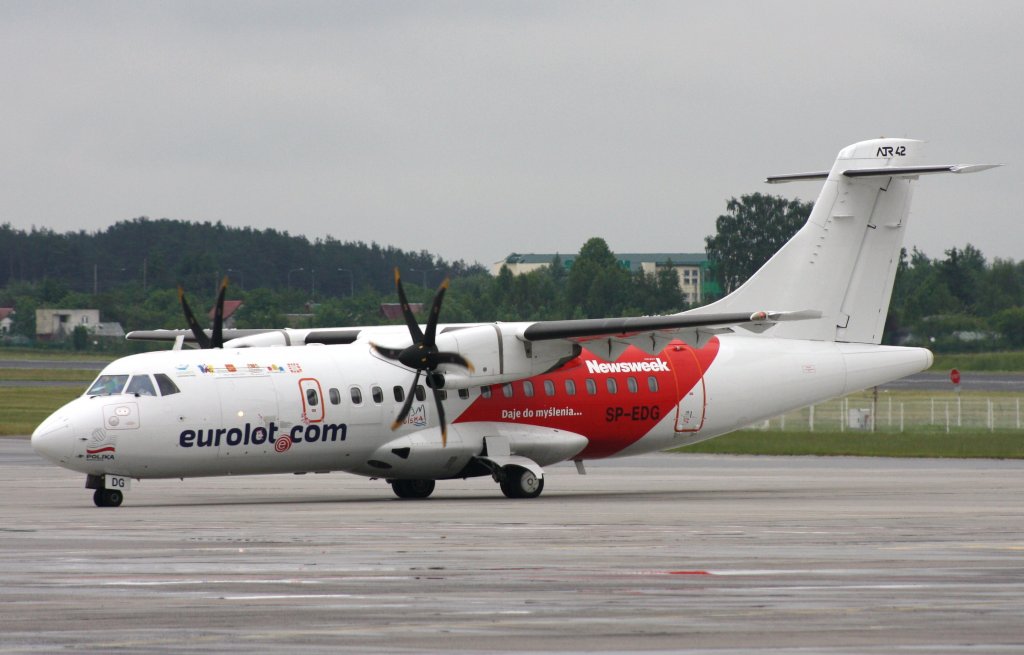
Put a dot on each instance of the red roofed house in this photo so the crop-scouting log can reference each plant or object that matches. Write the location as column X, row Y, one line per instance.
column 393, row 310
column 6, row 319
column 230, row 307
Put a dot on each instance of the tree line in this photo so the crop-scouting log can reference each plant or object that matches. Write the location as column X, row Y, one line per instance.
column 131, row 272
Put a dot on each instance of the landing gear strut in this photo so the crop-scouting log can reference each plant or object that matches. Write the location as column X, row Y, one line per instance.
column 519, row 482
column 412, row 488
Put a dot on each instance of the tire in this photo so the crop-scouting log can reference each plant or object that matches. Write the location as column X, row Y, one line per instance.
column 519, row 482
column 107, row 498
column 413, row 489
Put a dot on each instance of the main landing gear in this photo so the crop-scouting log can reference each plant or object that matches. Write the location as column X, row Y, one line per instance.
column 515, row 482
column 519, row 482
column 409, row 489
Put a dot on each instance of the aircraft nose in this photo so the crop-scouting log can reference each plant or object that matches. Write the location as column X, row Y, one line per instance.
column 54, row 438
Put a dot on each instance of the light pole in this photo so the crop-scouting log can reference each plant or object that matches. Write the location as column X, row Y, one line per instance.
column 351, row 281
column 241, row 278
column 424, row 273
column 289, row 276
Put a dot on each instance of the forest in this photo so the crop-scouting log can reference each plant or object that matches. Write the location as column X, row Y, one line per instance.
column 131, row 272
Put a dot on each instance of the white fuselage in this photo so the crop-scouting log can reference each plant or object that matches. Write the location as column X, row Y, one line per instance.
column 330, row 408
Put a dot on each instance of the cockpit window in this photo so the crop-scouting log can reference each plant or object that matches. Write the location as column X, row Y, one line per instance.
column 107, row 385
column 166, row 384
column 141, row 385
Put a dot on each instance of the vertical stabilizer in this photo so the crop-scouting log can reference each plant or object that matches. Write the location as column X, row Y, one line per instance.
column 843, row 261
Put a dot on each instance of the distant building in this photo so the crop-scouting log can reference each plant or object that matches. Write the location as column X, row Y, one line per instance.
column 111, row 330
column 692, row 267
column 230, row 307
column 6, row 320
column 58, row 324
column 393, row 310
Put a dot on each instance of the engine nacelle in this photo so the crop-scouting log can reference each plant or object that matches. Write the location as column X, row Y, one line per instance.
column 499, row 354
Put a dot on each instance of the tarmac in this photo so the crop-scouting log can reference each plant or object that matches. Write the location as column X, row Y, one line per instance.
column 661, row 553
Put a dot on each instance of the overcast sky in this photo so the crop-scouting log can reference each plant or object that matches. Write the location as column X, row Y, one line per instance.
column 476, row 129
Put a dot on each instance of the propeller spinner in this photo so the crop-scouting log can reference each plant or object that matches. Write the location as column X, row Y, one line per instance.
column 216, row 338
column 423, row 356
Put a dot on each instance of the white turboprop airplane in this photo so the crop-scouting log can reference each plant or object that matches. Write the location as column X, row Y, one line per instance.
column 518, row 396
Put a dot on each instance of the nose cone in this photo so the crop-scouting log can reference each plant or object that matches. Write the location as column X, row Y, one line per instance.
column 54, row 438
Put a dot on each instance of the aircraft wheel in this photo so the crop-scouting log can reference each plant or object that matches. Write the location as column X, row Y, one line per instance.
column 519, row 482
column 413, row 488
column 107, row 498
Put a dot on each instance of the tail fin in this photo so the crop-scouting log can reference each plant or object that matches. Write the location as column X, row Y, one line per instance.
column 843, row 261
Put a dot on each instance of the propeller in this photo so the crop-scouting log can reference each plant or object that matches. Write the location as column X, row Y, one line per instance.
column 423, row 356
column 216, row 338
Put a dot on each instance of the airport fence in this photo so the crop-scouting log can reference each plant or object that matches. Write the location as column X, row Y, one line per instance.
column 895, row 412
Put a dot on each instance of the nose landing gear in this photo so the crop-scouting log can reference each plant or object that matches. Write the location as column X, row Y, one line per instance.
column 103, row 496
column 107, row 498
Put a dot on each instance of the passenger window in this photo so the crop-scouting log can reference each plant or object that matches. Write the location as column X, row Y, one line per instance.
column 631, row 383
column 399, row 394
column 357, row 395
column 166, row 385
column 591, row 386
column 464, row 394
column 421, row 394
column 506, row 390
column 378, row 394
column 485, row 392
column 141, row 385
column 107, row 385
column 613, row 386
column 528, row 388
column 570, row 387
column 549, row 388
column 652, row 383
column 312, row 399
column 335, row 396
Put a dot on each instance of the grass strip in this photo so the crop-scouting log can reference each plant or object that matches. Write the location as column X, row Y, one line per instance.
column 24, row 408
column 45, row 354
column 1003, row 362
column 47, row 375
column 1001, row 444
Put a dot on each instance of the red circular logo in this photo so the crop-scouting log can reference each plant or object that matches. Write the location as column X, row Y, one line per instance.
column 283, row 444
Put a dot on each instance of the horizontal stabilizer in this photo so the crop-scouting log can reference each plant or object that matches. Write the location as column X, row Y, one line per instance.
column 796, row 177
column 914, row 171
column 894, row 171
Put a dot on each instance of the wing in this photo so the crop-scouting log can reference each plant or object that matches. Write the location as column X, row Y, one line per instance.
column 609, row 337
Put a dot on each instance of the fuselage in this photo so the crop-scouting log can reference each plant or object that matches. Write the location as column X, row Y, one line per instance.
column 184, row 413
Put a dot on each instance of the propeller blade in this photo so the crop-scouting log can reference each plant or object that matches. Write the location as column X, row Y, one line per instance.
column 452, row 358
column 410, row 320
column 435, row 312
column 217, row 339
column 407, row 405
column 193, row 324
column 387, row 353
column 440, row 417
